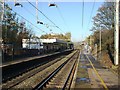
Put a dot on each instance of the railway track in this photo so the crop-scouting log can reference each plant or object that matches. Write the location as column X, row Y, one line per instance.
column 29, row 74
column 22, row 77
column 62, row 76
column 12, row 71
column 31, row 79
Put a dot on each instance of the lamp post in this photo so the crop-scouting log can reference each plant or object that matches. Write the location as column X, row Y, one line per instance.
column 38, row 22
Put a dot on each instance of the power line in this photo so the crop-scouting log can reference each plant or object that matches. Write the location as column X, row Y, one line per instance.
column 37, row 10
column 35, row 16
column 44, row 15
column 27, row 20
column 29, row 11
column 62, row 16
column 91, row 13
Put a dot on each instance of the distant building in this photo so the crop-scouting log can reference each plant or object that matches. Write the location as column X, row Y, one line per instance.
column 32, row 44
column 42, row 43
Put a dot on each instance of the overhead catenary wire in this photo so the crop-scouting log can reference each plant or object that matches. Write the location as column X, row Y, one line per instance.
column 37, row 10
column 37, row 18
column 29, row 11
column 44, row 15
column 59, row 11
column 47, row 26
column 27, row 21
column 26, row 9
column 91, row 13
column 62, row 16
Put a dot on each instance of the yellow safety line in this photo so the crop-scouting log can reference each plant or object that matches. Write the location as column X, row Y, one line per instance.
column 103, row 83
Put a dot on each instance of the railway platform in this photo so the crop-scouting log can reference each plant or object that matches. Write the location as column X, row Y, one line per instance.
column 91, row 74
column 11, row 62
column 23, row 59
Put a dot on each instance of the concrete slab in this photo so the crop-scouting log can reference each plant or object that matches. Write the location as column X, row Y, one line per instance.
column 109, row 78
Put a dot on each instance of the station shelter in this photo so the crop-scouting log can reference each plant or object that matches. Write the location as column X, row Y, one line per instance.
column 53, row 44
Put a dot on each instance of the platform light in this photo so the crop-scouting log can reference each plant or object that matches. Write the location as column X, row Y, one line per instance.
column 18, row 4
column 39, row 22
column 52, row 5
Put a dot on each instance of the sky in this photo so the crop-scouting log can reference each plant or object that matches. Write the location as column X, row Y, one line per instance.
column 67, row 16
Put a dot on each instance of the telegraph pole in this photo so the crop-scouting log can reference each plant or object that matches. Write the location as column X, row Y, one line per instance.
column 116, row 60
